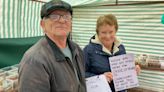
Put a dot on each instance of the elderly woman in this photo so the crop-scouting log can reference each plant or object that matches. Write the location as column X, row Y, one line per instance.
column 103, row 45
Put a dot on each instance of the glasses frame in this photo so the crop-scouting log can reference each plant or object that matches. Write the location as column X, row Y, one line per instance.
column 57, row 17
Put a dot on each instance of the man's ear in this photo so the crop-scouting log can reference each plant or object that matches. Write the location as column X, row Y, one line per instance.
column 42, row 24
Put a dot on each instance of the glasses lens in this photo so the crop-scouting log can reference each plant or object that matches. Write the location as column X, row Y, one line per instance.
column 67, row 17
column 54, row 17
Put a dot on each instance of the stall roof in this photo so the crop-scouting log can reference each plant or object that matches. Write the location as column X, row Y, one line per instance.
column 103, row 2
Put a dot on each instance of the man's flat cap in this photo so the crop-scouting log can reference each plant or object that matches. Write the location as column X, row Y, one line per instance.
column 52, row 5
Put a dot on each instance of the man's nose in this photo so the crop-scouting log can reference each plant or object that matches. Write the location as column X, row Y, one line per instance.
column 61, row 19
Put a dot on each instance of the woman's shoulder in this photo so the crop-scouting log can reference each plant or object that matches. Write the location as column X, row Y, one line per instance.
column 89, row 47
column 122, row 49
column 122, row 46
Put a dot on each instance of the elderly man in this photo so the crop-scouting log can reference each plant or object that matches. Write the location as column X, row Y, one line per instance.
column 54, row 63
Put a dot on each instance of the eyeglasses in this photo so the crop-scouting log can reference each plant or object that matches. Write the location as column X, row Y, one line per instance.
column 56, row 17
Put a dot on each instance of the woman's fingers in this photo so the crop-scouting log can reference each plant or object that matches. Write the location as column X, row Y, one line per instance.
column 138, row 69
column 109, row 76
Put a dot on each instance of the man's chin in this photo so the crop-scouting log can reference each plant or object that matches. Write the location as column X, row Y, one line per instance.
column 61, row 35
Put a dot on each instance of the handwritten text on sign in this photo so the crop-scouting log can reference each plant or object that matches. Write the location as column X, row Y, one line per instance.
column 123, row 70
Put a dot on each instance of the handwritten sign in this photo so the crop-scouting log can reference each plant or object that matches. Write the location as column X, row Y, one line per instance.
column 124, row 73
column 97, row 84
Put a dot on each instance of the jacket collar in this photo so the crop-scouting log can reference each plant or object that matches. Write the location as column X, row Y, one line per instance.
column 117, row 43
column 58, row 53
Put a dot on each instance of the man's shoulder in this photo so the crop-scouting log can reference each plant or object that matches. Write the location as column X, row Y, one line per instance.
column 37, row 47
column 36, row 53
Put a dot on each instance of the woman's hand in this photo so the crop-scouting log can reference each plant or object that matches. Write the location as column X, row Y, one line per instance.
column 108, row 76
column 138, row 69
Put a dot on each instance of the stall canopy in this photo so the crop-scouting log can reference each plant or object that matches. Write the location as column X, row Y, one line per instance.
column 102, row 2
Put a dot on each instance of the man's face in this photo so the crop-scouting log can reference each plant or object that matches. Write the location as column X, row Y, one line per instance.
column 58, row 23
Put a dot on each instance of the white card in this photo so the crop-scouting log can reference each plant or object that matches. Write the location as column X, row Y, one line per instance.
column 97, row 84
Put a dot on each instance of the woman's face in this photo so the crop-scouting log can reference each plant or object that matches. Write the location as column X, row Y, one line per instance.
column 106, row 34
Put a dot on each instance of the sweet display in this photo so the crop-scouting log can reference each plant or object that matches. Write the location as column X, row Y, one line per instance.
column 150, row 61
column 9, row 79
